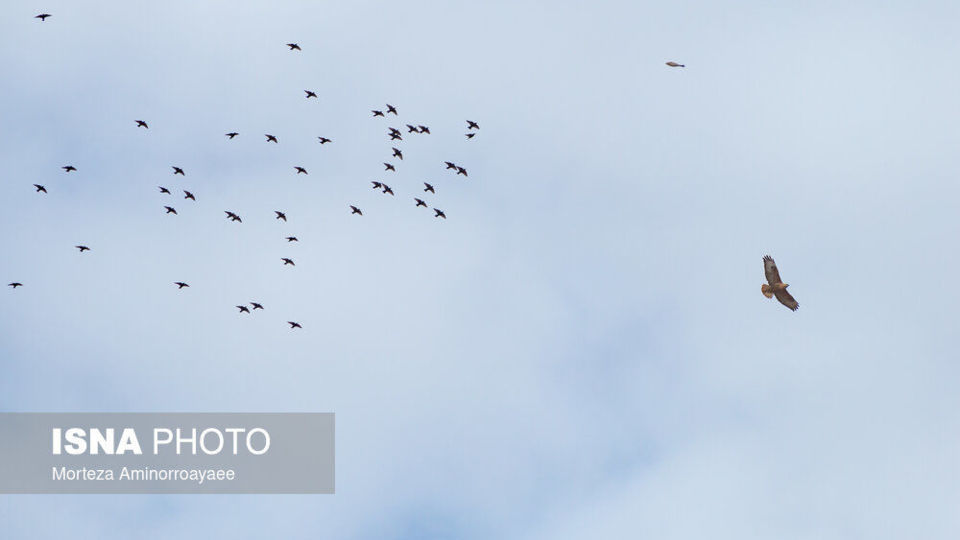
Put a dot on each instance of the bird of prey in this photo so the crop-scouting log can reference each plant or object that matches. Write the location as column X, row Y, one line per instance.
column 280, row 215
column 395, row 137
column 188, row 195
column 301, row 170
column 82, row 248
column 428, row 188
column 450, row 165
column 180, row 284
column 776, row 287
column 243, row 309
column 310, row 94
column 324, row 140
column 43, row 16
column 294, row 325
column 256, row 305
column 294, row 47
column 386, row 189
column 472, row 125
column 461, row 170
column 232, row 134
column 355, row 210
column 231, row 216
column 439, row 213
column 397, row 153
column 178, row 170
column 378, row 113
column 270, row 138
column 376, row 185
column 470, row 135
column 287, row 261
column 170, row 210
column 420, row 202
column 292, row 239
column 141, row 123
column 68, row 168
column 40, row 188
column 412, row 129
column 164, row 190
column 674, row 64
column 389, row 167
column 15, row 284
column 391, row 109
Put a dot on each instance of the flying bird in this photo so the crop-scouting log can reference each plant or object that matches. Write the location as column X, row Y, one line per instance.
column 301, row 170
column 324, row 140
column 280, row 215
column 674, row 64
column 310, row 94
column 294, row 325
column 389, row 167
column 180, row 284
column 270, row 138
column 287, row 261
column 188, row 195
column 294, row 47
column 397, row 153
column 472, row 125
column 164, row 190
column 776, row 287
column 170, row 210
column 470, row 135
column 386, row 189
column 231, row 216
column 377, row 113
column 395, row 137
column 256, row 305
column 376, row 185
column 355, row 210
column 424, row 129
column 232, row 134
column 412, row 129
column 420, row 202
column 243, row 309
column 450, row 165
column 82, row 248
column 15, row 284
column 391, row 109
column 178, row 170
column 292, row 239
column 439, row 213
column 461, row 170
column 43, row 16
column 40, row 188
column 141, row 123
column 428, row 188
column 394, row 130
column 68, row 168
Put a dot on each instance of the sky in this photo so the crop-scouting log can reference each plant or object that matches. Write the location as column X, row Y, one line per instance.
column 581, row 349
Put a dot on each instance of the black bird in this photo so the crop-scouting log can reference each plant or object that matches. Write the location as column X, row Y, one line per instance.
column 412, row 129
column 232, row 216
column 40, row 188
column 428, row 188
column 461, row 170
column 232, row 134
column 256, row 305
column 378, row 113
column 376, row 185
column 141, row 123
column 472, row 125
column 355, row 210
column 68, row 168
column 164, row 190
column 310, row 94
column 188, row 195
column 470, row 135
column 243, row 309
column 180, row 284
column 397, row 153
column 324, row 140
column 270, row 138
column 394, row 130
column 439, row 213
column 395, row 137
column 424, row 129
column 386, row 189
column 292, row 239
column 43, row 16
column 287, row 261
column 389, row 167
column 450, row 165
column 301, row 170
column 280, row 215
column 294, row 47
column 178, row 170
column 15, row 284
column 82, row 248
column 391, row 109
column 294, row 325
column 170, row 210
column 420, row 202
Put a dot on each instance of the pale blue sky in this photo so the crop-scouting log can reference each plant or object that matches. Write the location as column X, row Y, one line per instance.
column 581, row 350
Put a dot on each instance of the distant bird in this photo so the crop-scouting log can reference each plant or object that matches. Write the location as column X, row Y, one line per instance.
column 243, row 309
column 378, row 113
column 450, row 165
column 170, row 210
column 256, row 305
column 232, row 134
column 391, row 109
column 376, row 185
column 420, row 202
column 439, row 213
column 40, row 188
column 472, row 125
column 180, row 284
column 394, row 130
column 164, row 190
column 188, row 195
column 412, row 129
column 270, row 138
column 395, row 137
column 389, row 167
column 397, row 153
column 43, row 16
column 310, row 94
column 141, row 123
column 775, row 286
column 68, row 168
column 287, row 261
column 292, row 239
column 461, row 170
column 324, row 140
column 294, row 47
column 82, row 248
column 178, row 170
column 233, row 217
column 424, row 129
column 280, row 215
column 386, row 189
column 301, row 170
column 470, row 135
column 15, row 284
column 355, row 210
column 674, row 64
column 294, row 325
column 428, row 188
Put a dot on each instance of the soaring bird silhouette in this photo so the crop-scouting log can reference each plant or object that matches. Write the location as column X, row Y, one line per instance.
column 256, row 305
column 178, row 170
column 15, row 284
column 674, row 64
column 170, row 210
column 389, row 167
column 461, row 170
column 424, row 129
column 232, row 134
column 180, row 284
column 280, row 215
column 141, row 123
column 82, row 248
column 270, row 138
column 376, row 185
column 310, row 94
column 164, row 190
column 378, row 113
column 294, row 325
column 391, row 109
column 355, row 210
column 420, row 202
column 386, row 189
column 450, row 164
column 40, row 188
column 294, row 47
column 395, row 137
column 397, row 153
column 287, row 261
column 43, row 16
column 324, row 140
column 188, row 195
column 412, row 129
column 439, row 213
column 472, row 125
column 301, row 170
column 428, row 188
column 470, row 135
column 68, row 168
column 233, row 217
column 292, row 239
column 243, row 309
column 394, row 130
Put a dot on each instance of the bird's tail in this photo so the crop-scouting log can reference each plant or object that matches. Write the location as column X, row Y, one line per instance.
column 767, row 290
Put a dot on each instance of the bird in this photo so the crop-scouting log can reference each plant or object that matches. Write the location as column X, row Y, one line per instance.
column 280, row 215
column 141, row 123
column 310, row 94
column 472, row 125
column 243, row 309
column 324, row 140
column 674, row 64
column 450, row 165
column 294, row 47
column 389, row 167
column 82, row 248
column 188, row 195
column 233, row 217
column 287, row 261
column 15, row 284
column 397, row 153
column 40, row 188
column 294, row 325
column 376, row 185
column 232, row 134
column 470, row 135
column 395, row 137
column 178, row 170
column 391, row 109
column 292, row 239
column 170, row 210
column 355, row 210
column 301, row 170
column 270, row 138
column 424, row 129
column 439, row 213
column 428, row 188
column 43, row 16
column 420, row 202
column 180, row 284
column 68, row 168
column 412, row 129
column 776, row 287
column 378, row 113
column 256, row 305
column 386, row 189
column 164, row 190
column 394, row 130
column 461, row 170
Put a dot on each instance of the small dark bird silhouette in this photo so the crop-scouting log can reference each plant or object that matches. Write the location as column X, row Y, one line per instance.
column 439, row 213
column 164, row 190
column 256, row 305
column 180, row 284
column 170, row 210
column 355, row 210
column 470, row 135
column 450, row 165
column 294, row 47
column 82, row 248
column 243, row 309
column 294, row 325
column 324, row 140
column 280, row 215
column 412, row 129
column 395, row 137
column 232, row 134
column 310, row 94
column 178, row 170
column 188, row 195
column 43, row 16
column 68, row 168
column 420, row 202
column 386, row 189
column 394, row 130
column 424, row 129
column 270, row 138
column 378, row 113
column 15, row 284
column 472, row 125
column 301, row 170
column 391, row 109
column 397, row 153
column 141, row 123
column 292, row 239
column 376, row 185
column 40, row 188
column 287, row 261
column 461, row 170
column 674, row 64
column 389, row 167
column 428, row 188
column 233, row 217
